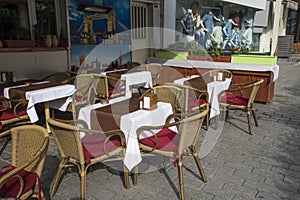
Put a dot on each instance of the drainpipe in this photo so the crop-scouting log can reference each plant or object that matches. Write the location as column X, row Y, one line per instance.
column 276, row 26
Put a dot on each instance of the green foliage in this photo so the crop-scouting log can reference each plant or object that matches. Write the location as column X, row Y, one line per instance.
column 192, row 48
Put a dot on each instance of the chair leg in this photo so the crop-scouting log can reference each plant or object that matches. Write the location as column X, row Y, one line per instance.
column 126, row 178
column 249, row 122
column 254, row 117
column 207, row 121
column 57, row 177
column 180, row 177
column 83, row 182
column 198, row 163
column 135, row 175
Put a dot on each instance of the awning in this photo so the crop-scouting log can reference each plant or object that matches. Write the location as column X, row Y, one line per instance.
column 258, row 4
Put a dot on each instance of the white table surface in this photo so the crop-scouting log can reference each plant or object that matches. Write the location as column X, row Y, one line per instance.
column 46, row 95
column 132, row 121
column 136, row 78
column 85, row 112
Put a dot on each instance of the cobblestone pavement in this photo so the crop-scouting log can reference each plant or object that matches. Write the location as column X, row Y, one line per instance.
column 265, row 165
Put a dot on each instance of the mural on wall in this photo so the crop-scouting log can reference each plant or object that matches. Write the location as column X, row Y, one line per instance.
column 101, row 27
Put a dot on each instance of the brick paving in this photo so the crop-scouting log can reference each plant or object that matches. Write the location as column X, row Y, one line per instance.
column 265, row 165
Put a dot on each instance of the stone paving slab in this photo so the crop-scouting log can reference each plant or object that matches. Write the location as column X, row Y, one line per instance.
column 265, row 165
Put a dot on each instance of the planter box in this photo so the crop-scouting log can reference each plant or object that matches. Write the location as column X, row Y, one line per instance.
column 254, row 59
column 171, row 54
column 18, row 43
column 221, row 58
column 198, row 57
column 209, row 58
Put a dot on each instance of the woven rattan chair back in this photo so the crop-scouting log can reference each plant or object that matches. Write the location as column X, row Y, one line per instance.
column 190, row 128
column 29, row 144
column 154, row 69
column 167, row 93
column 84, row 94
column 216, row 75
column 59, row 77
column 103, row 84
column 70, row 146
column 68, row 140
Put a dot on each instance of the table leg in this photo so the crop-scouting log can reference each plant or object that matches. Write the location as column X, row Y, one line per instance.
column 47, row 116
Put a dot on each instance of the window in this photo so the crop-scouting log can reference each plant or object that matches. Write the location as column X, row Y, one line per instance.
column 18, row 19
column 14, row 20
column 45, row 16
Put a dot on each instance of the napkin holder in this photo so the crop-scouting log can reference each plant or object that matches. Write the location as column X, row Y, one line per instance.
column 149, row 101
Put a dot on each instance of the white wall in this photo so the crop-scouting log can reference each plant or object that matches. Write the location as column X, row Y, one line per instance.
column 33, row 64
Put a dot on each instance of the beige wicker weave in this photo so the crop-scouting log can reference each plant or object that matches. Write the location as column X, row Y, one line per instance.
column 60, row 77
column 103, row 84
column 154, row 69
column 235, row 93
column 71, row 149
column 188, row 126
column 216, row 75
column 193, row 99
column 167, row 93
column 84, row 94
column 17, row 106
column 29, row 147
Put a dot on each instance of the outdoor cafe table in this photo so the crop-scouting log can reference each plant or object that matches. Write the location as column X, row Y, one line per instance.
column 15, row 83
column 40, row 93
column 128, row 117
column 213, row 89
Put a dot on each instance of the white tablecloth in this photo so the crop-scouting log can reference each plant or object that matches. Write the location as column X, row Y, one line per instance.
column 132, row 121
column 136, row 78
column 214, row 88
column 181, row 80
column 85, row 112
column 6, row 90
column 105, row 73
column 46, row 95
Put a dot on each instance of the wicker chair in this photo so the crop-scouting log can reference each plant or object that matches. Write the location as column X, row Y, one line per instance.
column 167, row 93
column 59, row 77
column 94, row 147
column 193, row 99
column 174, row 145
column 154, row 69
column 12, row 113
column 21, row 179
column 233, row 99
column 84, row 94
column 216, row 75
column 107, row 87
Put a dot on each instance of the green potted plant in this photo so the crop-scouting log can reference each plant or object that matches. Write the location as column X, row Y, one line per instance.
column 178, row 51
column 217, row 54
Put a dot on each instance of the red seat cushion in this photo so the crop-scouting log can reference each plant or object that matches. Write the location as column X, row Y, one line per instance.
column 93, row 146
column 236, row 100
column 193, row 102
column 11, row 187
column 112, row 91
column 9, row 114
column 168, row 140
